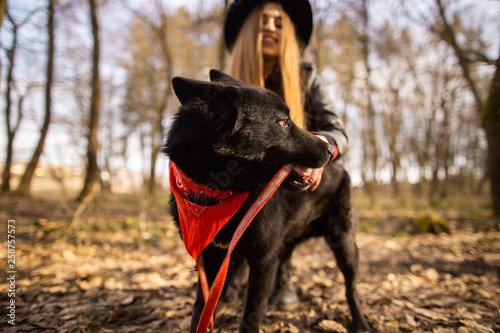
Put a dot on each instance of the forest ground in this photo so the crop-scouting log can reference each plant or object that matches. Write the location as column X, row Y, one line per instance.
column 110, row 273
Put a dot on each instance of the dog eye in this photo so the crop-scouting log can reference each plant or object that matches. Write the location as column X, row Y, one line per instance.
column 283, row 122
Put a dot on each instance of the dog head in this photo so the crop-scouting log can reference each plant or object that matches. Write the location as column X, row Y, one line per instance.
column 226, row 121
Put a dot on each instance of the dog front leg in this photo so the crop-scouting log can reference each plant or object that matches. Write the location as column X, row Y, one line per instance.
column 212, row 258
column 260, row 284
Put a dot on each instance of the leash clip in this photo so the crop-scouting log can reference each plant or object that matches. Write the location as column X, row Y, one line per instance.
column 195, row 268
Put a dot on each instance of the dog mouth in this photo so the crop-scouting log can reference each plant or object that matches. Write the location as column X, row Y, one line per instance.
column 300, row 185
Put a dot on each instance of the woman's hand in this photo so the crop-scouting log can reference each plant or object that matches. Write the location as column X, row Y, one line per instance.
column 312, row 176
column 316, row 175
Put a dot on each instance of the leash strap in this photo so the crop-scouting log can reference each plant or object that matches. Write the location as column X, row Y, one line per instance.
column 216, row 290
column 204, row 283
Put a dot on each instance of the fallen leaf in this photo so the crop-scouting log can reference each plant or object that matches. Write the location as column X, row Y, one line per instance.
column 293, row 329
column 478, row 327
column 410, row 320
column 332, row 326
column 463, row 313
column 430, row 314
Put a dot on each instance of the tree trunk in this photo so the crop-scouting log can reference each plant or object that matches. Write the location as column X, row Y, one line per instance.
column 157, row 134
column 92, row 173
column 371, row 148
column 394, row 128
column 490, row 112
column 3, row 10
column 6, row 175
column 24, row 185
column 491, row 123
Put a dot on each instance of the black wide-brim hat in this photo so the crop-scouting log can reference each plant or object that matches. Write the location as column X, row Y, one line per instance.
column 300, row 13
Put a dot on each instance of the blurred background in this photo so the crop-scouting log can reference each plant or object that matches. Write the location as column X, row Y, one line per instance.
column 409, row 78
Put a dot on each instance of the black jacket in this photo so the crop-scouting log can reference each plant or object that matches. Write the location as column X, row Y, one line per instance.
column 319, row 110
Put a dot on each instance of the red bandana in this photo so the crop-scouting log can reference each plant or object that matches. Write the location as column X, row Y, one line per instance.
column 202, row 211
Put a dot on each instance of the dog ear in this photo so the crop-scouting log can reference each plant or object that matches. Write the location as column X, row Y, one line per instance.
column 189, row 89
column 218, row 76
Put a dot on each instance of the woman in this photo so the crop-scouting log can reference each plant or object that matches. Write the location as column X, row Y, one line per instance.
column 266, row 40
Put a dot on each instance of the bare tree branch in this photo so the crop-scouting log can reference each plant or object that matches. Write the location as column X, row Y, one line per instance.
column 462, row 60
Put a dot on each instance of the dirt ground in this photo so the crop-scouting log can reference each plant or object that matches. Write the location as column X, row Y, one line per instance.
column 112, row 273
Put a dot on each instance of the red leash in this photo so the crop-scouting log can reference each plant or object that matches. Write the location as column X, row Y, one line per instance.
column 212, row 295
column 204, row 284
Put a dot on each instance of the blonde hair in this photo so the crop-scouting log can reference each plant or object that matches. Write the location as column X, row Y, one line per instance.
column 247, row 62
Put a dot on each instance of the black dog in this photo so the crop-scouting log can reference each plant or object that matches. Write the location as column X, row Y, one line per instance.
column 226, row 123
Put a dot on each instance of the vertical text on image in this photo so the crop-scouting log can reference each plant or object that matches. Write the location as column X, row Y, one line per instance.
column 11, row 271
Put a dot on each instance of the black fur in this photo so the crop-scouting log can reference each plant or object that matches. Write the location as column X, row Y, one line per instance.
column 231, row 135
